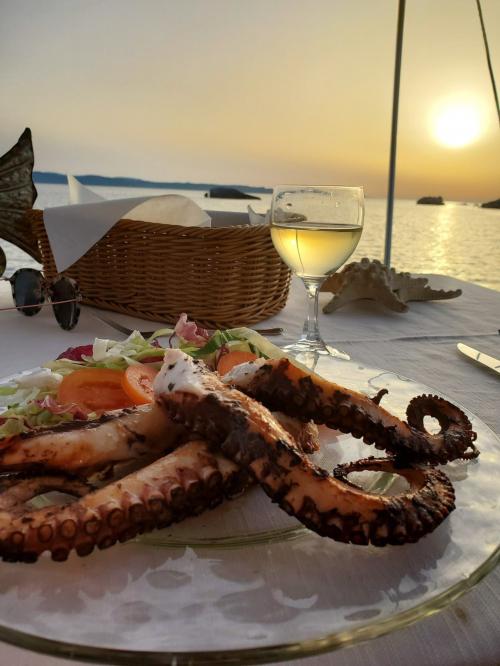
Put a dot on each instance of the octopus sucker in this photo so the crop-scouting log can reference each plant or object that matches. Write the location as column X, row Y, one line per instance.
column 244, row 431
column 187, row 481
column 277, row 383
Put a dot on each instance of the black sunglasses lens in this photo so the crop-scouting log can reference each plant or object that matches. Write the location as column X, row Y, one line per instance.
column 67, row 314
column 3, row 262
column 27, row 290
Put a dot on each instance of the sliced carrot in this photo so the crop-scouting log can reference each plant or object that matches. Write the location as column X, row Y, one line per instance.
column 137, row 382
column 94, row 390
column 228, row 361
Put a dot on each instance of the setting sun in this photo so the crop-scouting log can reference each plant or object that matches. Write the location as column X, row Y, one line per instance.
column 457, row 125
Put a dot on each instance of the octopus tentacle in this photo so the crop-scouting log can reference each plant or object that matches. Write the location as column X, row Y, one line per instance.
column 246, row 432
column 430, row 496
column 378, row 396
column 83, row 446
column 306, row 435
column 279, row 384
column 453, row 423
column 182, row 484
column 128, row 435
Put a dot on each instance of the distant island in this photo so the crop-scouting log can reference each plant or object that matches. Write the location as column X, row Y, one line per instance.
column 433, row 201
column 54, row 178
column 491, row 204
column 439, row 201
column 228, row 193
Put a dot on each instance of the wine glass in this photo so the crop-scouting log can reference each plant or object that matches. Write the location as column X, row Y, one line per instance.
column 315, row 229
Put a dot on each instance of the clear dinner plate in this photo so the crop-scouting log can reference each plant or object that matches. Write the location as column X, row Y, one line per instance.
column 245, row 583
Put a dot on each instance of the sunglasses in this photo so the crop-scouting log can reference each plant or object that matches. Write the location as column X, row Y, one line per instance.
column 30, row 290
column 3, row 261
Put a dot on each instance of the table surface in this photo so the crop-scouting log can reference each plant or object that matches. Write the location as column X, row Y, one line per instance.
column 420, row 344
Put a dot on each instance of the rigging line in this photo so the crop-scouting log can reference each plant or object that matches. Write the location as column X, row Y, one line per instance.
column 488, row 58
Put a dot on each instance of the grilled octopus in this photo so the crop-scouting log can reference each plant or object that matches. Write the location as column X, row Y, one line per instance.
column 204, row 441
column 279, row 384
column 246, row 433
column 141, row 434
column 170, row 486
column 84, row 447
column 184, row 483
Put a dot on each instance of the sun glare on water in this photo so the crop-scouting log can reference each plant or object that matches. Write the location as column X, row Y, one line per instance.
column 457, row 125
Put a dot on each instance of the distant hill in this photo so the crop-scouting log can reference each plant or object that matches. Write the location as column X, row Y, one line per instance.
column 54, row 178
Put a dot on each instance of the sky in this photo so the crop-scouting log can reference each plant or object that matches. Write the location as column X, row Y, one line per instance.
column 255, row 92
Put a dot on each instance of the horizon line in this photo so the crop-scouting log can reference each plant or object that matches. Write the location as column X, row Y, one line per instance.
column 56, row 177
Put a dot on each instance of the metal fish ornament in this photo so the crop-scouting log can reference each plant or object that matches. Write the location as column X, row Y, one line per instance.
column 17, row 194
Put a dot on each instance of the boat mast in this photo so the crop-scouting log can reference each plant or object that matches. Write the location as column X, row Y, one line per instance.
column 488, row 58
column 394, row 134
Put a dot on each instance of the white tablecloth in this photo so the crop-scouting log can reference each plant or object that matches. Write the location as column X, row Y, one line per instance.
column 420, row 344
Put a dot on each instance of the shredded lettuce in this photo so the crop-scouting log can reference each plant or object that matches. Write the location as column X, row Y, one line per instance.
column 24, row 401
column 64, row 366
column 256, row 343
column 21, row 419
column 113, row 354
column 233, row 339
column 19, row 397
column 118, row 355
column 218, row 340
column 20, row 408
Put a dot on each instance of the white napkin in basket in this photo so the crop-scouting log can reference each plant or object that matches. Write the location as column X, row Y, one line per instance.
column 74, row 229
column 256, row 219
column 79, row 194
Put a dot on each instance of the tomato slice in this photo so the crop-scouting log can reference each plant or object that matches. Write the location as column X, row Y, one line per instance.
column 94, row 390
column 137, row 382
column 228, row 361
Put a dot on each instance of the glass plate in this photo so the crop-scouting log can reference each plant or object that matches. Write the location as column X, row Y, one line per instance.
column 244, row 583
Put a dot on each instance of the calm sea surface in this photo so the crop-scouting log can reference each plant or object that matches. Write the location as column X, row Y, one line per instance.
column 461, row 240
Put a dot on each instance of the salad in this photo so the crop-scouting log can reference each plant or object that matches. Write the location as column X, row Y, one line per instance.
column 83, row 382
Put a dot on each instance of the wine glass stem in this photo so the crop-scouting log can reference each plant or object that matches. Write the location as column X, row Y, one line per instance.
column 310, row 332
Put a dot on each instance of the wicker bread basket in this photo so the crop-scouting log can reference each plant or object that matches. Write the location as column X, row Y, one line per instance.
column 221, row 277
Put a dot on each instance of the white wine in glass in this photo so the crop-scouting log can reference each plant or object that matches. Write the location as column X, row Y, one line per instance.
column 315, row 229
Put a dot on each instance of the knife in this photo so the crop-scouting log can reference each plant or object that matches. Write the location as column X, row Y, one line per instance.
column 475, row 355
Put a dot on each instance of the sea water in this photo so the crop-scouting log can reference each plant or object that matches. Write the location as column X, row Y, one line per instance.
column 460, row 240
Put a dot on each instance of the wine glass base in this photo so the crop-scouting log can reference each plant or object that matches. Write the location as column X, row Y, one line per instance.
column 308, row 348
